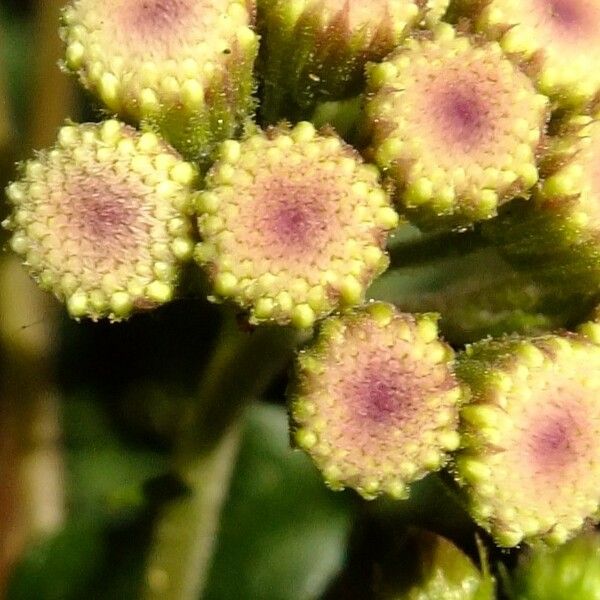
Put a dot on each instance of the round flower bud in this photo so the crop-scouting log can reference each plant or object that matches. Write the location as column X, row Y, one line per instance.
column 565, row 573
column 556, row 237
column 444, row 572
column 317, row 49
column 184, row 66
column 293, row 225
column 100, row 219
column 455, row 125
column 531, row 436
column 375, row 402
column 558, row 37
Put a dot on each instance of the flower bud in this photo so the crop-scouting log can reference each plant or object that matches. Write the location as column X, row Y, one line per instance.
column 455, row 125
column 531, row 436
column 183, row 66
column 100, row 219
column 445, row 572
column 293, row 224
column 559, row 39
column 565, row 573
column 375, row 402
column 315, row 50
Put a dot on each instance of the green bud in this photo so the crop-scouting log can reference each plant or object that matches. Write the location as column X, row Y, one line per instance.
column 314, row 50
column 446, row 573
column 566, row 573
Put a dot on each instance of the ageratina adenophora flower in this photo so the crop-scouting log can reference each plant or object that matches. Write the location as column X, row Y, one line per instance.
column 183, row 65
column 455, row 125
column 100, row 219
column 316, row 49
column 531, row 463
column 556, row 237
column 293, row 224
column 559, row 37
column 375, row 401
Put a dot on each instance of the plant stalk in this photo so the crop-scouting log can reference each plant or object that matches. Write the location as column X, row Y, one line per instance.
column 242, row 366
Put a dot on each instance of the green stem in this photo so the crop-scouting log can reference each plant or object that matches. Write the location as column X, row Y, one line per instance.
column 241, row 367
column 185, row 536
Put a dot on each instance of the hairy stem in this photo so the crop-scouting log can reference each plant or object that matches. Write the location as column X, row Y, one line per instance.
column 180, row 557
column 186, row 534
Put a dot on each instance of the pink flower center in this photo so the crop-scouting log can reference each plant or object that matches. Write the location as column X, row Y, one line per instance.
column 460, row 114
column 293, row 224
column 379, row 395
column 293, row 216
column 146, row 19
column 573, row 18
column 104, row 215
column 555, row 441
column 567, row 12
column 377, row 398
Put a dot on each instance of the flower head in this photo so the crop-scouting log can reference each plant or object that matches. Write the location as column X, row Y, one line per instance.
column 559, row 36
column 100, row 219
column 184, row 65
column 375, row 401
column 531, row 462
column 293, row 225
column 455, row 125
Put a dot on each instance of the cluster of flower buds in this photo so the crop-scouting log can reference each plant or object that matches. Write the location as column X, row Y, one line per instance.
column 290, row 223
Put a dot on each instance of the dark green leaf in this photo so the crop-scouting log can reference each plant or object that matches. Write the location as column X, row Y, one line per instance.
column 283, row 534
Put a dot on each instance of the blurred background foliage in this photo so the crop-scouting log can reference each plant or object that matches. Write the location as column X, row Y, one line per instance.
column 90, row 415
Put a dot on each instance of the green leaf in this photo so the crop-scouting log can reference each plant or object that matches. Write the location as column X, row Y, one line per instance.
column 283, row 534
column 104, row 475
column 61, row 567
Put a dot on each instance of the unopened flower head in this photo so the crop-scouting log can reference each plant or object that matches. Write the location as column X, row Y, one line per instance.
column 531, row 461
column 375, row 402
column 565, row 573
column 317, row 49
column 556, row 237
column 100, row 219
column 293, row 225
column 183, row 65
column 456, row 125
column 444, row 572
column 560, row 37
